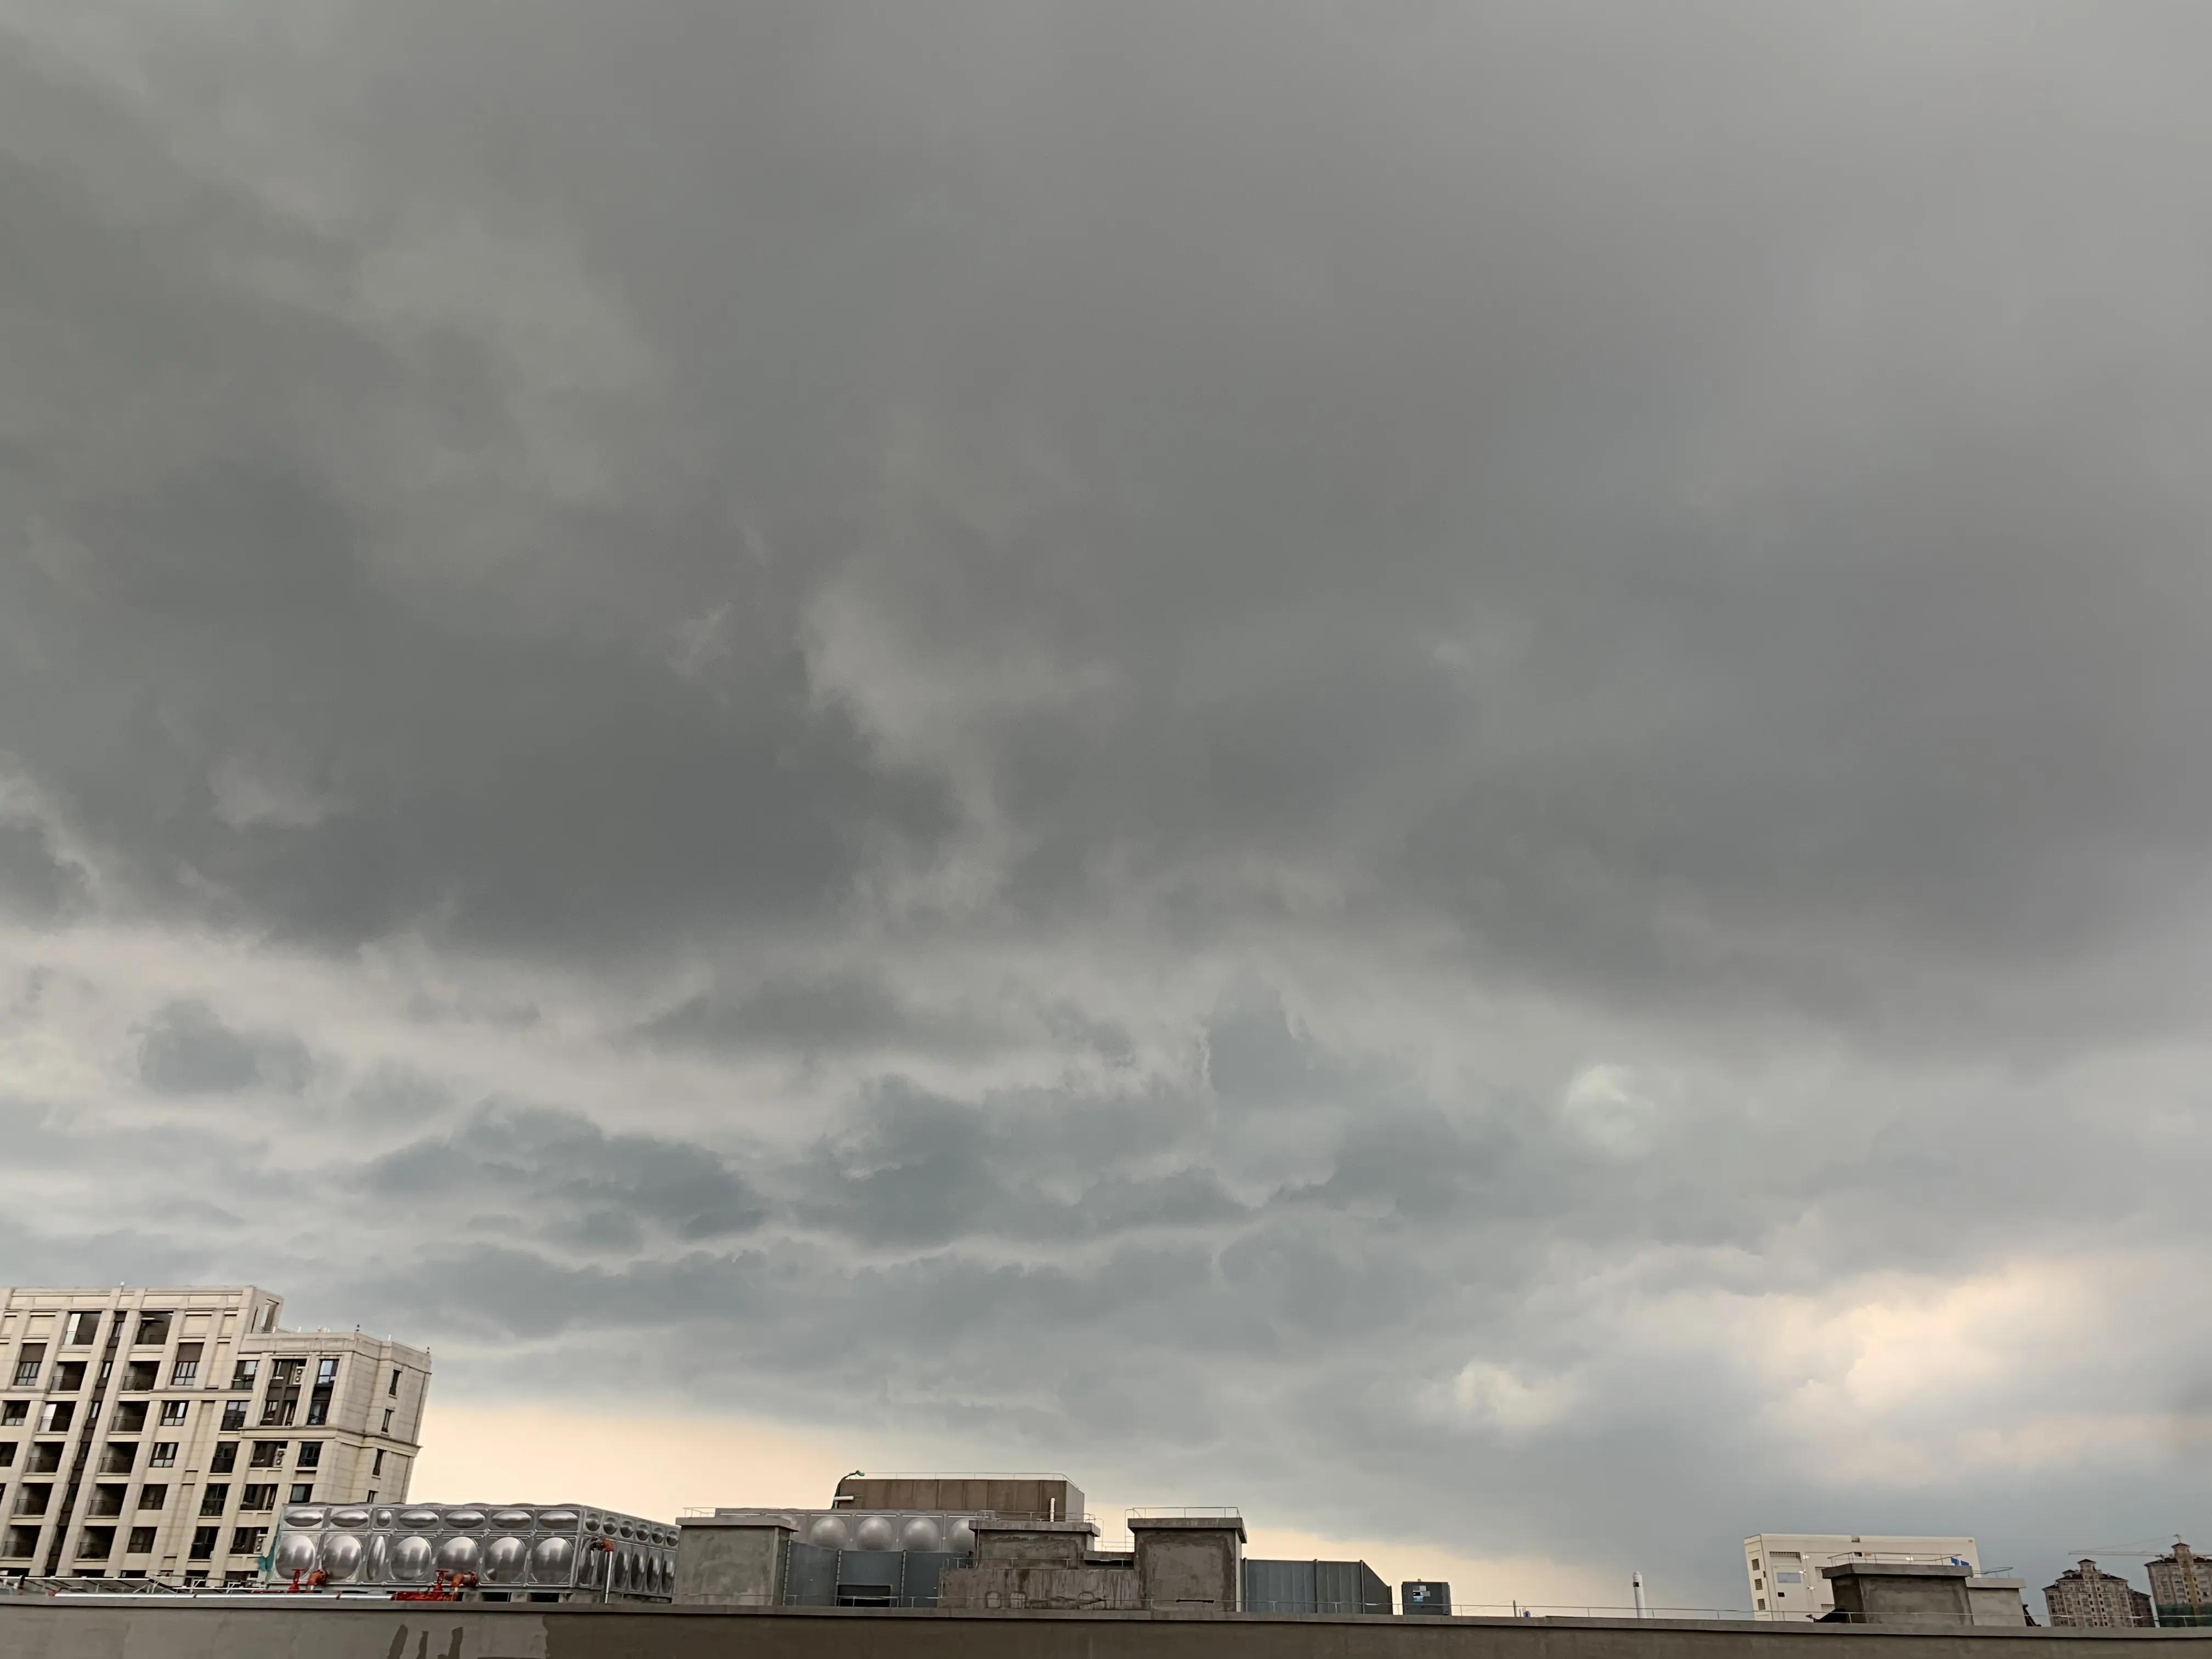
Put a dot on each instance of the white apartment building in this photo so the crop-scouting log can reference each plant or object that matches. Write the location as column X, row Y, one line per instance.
column 155, row 1433
column 1784, row 1567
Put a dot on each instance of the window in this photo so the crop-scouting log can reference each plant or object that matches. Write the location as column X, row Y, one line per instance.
column 57, row 1416
column 96, row 1544
column 46, row 1457
column 130, row 1417
column 387, row 1422
column 173, row 1412
column 225, row 1459
column 376, row 1465
column 185, row 1373
column 141, row 1541
column 203, row 1547
column 153, row 1330
column 165, row 1455
column 257, row 1498
column 69, row 1375
column 302, row 1494
column 13, row 1413
column 246, row 1540
column 319, row 1410
column 153, row 1498
column 1762, row 1600
column 80, row 1329
column 268, row 1454
column 22, row 1540
column 32, row 1499
column 213, row 1496
column 371, row 1498
column 6, row 1453
column 277, row 1412
column 326, row 1372
column 233, row 1415
column 242, row 1374
column 116, row 1457
column 106, row 1370
column 311, row 1454
column 106, row 1499
column 287, row 1373
column 237, row 1577
column 140, row 1375
column 28, row 1362
column 393, row 1389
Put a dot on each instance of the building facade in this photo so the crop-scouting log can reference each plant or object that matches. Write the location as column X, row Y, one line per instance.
column 1784, row 1568
column 155, row 1433
column 2086, row 1597
column 2181, row 1588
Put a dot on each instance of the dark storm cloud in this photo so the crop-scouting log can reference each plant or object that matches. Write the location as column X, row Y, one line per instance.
column 35, row 884
column 1682, row 572
column 918, row 1169
column 1412, row 727
column 186, row 1050
column 565, row 1178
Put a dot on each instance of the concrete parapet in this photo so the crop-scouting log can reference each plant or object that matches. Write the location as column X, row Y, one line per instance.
column 279, row 1627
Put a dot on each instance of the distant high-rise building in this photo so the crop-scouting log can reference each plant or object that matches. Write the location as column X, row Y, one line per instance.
column 2086, row 1595
column 157, row 1433
column 1784, row 1567
column 2181, row 1587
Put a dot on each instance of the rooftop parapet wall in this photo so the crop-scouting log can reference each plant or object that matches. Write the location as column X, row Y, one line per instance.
column 274, row 1627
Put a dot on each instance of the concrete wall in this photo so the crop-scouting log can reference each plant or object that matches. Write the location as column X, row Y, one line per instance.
column 1011, row 1585
column 1186, row 1569
column 1036, row 1544
column 1051, row 1497
column 730, row 1566
column 272, row 1629
column 1882, row 1592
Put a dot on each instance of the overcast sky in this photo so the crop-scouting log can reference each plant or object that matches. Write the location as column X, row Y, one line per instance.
column 1439, row 767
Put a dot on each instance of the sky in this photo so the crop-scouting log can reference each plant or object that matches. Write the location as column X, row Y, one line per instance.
column 1437, row 766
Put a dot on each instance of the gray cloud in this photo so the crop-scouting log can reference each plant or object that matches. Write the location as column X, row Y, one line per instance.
column 919, row 1169
column 1465, row 738
column 846, row 1012
column 36, row 884
column 186, row 1050
column 566, row 1179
